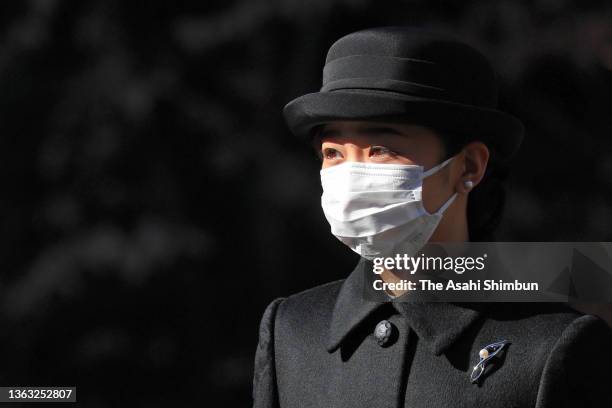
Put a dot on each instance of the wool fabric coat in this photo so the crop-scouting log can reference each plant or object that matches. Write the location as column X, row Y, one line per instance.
column 317, row 348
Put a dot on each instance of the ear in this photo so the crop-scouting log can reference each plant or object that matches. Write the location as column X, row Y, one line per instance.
column 475, row 159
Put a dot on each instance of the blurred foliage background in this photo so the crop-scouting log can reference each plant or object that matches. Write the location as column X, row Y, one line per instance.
column 154, row 201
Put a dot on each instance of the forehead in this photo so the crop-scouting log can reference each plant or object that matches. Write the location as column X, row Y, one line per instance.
column 339, row 131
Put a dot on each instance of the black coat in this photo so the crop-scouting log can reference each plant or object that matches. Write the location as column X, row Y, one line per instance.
column 317, row 349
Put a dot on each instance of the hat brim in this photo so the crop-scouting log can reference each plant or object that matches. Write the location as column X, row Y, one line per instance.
column 498, row 130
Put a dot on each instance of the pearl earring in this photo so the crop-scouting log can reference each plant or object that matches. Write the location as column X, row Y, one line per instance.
column 468, row 184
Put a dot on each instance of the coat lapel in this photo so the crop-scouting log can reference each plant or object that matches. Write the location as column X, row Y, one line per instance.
column 437, row 324
column 365, row 374
column 351, row 308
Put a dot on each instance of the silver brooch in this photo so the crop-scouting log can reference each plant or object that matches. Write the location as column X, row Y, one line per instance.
column 382, row 332
column 486, row 354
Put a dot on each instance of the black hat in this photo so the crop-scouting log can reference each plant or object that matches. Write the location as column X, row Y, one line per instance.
column 409, row 74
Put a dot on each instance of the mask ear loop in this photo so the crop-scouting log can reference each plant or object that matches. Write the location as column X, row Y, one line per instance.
column 446, row 204
column 433, row 170
column 437, row 167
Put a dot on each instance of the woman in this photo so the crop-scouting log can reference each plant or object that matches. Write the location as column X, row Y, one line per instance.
column 407, row 131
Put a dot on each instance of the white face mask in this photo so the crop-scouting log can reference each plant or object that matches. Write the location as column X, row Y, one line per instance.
column 377, row 209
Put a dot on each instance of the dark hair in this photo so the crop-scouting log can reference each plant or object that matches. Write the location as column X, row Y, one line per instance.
column 486, row 202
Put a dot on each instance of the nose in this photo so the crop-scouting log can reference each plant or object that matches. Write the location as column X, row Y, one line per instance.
column 355, row 153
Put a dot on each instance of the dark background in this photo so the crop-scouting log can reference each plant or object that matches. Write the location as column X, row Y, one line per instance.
column 154, row 202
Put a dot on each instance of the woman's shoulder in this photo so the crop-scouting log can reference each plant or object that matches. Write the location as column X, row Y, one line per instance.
column 542, row 319
column 317, row 302
column 539, row 324
column 548, row 337
column 569, row 351
column 303, row 316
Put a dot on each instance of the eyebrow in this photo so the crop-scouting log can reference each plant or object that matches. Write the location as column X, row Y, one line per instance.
column 368, row 130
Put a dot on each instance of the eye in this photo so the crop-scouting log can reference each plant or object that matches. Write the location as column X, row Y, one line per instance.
column 330, row 153
column 381, row 152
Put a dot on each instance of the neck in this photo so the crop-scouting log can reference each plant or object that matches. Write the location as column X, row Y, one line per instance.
column 453, row 227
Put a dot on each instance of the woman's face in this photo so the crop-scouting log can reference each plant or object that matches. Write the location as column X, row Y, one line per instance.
column 392, row 143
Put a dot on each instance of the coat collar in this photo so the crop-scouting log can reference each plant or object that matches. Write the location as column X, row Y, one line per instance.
column 437, row 324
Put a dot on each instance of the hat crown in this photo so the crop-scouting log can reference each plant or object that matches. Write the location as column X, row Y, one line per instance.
column 412, row 62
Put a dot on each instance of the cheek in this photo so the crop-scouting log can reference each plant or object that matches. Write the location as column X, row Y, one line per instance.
column 402, row 160
column 429, row 195
column 434, row 193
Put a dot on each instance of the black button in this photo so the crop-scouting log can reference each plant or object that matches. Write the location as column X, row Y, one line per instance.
column 383, row 332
